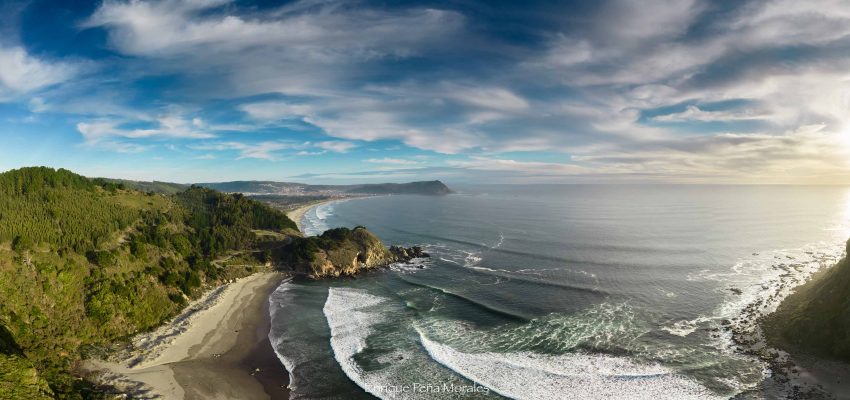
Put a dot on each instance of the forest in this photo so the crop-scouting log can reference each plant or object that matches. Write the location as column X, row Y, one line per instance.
column 87, row 262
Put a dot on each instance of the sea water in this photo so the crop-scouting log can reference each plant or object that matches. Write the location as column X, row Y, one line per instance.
column 557, row 291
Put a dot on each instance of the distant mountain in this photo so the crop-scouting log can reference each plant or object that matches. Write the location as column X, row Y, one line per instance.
column 300, row 189
column 423, row 187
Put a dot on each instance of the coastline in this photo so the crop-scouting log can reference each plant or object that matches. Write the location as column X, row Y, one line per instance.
column 218, row 347
column 297, row 214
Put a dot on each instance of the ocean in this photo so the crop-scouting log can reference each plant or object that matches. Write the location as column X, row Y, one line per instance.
column 557, row 291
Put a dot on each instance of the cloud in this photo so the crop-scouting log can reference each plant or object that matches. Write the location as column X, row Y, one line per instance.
column 576, row 84
column 694, row 113
column 391, row 161
column 260, row 151
column 294, row 49
column 22, row 73
column 493, row 98
column 38, row 105
column 310, row 153
column 336, row 146
column 275, row 110
column 807, row 154
column 166, row 126
column 531, row 168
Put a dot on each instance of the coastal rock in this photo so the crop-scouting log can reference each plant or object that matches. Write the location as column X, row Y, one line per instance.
column 407, row 254
column 343, row 252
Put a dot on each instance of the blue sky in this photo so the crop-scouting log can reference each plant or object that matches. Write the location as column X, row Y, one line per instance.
column 466, row 91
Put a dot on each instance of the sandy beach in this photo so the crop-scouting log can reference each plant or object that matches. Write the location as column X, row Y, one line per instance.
column 298, row 213
column 217, row 348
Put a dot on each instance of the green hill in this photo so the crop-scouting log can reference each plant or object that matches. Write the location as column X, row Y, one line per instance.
column 85, row 262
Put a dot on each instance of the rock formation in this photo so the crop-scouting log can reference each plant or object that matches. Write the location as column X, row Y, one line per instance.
column 343, row 252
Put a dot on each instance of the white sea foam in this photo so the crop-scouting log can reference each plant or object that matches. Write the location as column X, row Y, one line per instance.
column 528, row 375
column 279, row 298
column 686, row 327
column 606, row 325
column 500, row 241
column 352, row 314
column 350, row 325
column 411, row 266
column 315, row 221
column 756, row 285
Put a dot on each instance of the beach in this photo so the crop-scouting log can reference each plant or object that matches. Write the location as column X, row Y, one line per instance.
column 298, row 213
column 217, row 348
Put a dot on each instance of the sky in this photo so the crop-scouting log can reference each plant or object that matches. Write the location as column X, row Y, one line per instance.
column 324, row 91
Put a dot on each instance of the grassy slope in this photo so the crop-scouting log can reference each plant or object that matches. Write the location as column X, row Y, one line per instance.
column 60, row 298
column 816, row 318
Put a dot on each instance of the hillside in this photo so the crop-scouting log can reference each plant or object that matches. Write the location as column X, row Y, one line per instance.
column 86, row 262
column 815, row 319
column 153, row 186
column 300, row 189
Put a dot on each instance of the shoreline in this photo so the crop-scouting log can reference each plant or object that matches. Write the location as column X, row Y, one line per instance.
column 297, row 214
column 218, row 347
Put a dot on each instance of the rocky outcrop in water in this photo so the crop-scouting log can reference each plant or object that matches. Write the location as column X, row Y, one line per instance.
column 343, row 252
column 407, row 253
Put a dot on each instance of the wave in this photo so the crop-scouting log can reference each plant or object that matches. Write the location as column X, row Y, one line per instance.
column 472, row 260
column 477, row 303
column 609, row 327
column 528, row 375
column 315, row 221
column 392, row 363
column 290, row 360
column 685, row 327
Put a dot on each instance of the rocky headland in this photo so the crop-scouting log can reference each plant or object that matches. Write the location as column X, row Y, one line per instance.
column 342, row 252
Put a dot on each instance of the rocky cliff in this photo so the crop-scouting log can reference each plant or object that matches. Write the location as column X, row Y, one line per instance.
column 815, row 319
column 343, row 252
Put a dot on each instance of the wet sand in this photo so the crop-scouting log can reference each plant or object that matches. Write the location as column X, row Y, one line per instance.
column 224, row 353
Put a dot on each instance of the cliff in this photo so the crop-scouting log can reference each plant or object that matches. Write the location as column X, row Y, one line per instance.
column 342, row 252
column 815, row 319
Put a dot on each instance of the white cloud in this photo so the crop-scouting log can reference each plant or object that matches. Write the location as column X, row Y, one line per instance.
column 694, row 113
column 781, row 62
column 391, row 161
column 22, row 73
column 526, row 167
column 38, row 105
column 261, row 151
column 494, row 98
column 275, row 110
column 310, row 153
column 336, row 146
column 293, row 50
column 167, row 126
